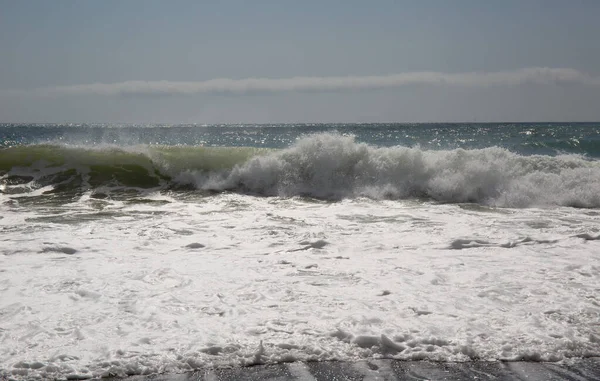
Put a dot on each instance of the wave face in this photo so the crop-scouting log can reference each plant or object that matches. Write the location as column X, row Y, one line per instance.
column 325, row 166
column 57, row 170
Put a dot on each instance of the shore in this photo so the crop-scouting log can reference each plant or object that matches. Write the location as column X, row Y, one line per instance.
column 392, row 370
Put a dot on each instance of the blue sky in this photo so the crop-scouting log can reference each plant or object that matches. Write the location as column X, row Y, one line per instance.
column 347, row 61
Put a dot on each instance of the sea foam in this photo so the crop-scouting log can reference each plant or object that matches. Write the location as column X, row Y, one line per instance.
column 334, row 167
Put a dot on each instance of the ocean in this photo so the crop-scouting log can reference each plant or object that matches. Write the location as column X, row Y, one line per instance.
column 141, row 249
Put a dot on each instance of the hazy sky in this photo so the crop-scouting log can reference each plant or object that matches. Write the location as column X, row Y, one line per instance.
column 299, row 61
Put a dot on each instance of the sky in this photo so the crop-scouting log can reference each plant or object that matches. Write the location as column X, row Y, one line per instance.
column 180, row 61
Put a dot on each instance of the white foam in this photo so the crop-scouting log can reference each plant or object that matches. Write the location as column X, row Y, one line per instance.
column 231, row 280
column 335, row 166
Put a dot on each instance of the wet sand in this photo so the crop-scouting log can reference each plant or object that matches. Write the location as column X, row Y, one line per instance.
column 392, row 370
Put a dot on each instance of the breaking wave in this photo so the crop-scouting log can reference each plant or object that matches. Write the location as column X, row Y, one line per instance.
column 327, row 166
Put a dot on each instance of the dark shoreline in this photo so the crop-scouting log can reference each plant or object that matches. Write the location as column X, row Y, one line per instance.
column 392, row 370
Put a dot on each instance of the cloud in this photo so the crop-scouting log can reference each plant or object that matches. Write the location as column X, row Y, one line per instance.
column 540, row 75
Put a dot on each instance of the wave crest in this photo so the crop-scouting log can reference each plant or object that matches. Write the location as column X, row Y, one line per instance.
column 333, row 166
column 327, row 166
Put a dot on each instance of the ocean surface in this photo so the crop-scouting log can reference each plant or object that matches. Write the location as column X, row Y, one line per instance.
column 140, row 249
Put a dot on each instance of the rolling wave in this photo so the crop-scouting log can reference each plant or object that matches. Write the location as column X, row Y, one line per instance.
column 326, row 166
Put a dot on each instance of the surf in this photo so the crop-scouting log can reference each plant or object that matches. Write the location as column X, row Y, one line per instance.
column 326, row 166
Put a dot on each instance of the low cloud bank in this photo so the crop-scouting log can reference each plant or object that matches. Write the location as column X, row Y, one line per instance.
column 544, row 76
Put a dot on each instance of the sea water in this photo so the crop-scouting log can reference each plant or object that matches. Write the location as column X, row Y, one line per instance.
column 138, row 249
